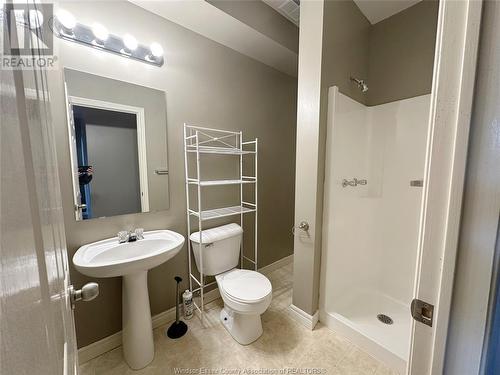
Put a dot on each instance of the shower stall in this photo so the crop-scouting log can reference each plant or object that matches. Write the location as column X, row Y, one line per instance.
column 375, row 158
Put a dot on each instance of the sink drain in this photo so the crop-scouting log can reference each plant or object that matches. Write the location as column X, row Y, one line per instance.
column 385, row 319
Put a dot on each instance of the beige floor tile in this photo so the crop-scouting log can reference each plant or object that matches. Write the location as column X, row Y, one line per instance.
column 284, row 344
column 357, row 362
column 385, row 370
column 325, row 350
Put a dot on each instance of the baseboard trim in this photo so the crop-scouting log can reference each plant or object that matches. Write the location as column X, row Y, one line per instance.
column 278, row 264
column 97, row 348
column 113, row 341
column 308, row 321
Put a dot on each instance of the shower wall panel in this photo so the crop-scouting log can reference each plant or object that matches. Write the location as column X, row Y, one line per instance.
column 370, row 231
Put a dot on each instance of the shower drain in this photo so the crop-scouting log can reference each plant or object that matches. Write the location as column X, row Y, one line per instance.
column 385, row 319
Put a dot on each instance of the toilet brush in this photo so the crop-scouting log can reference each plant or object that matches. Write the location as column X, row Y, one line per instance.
column 178, row 328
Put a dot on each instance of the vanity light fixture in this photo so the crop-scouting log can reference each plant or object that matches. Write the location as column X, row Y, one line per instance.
column 64, row 26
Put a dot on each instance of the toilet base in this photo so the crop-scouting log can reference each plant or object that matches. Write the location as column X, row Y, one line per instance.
column 244, row 328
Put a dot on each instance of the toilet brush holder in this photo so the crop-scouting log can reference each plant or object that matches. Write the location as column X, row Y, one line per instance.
column 178, row 328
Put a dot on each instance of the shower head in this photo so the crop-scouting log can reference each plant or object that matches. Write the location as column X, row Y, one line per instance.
column 360, row 83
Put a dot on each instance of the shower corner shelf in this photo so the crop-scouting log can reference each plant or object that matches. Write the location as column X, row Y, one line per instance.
column 198, row 141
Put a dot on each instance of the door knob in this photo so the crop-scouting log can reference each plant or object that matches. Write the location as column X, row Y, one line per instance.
column 88, row 292
column 304, row 225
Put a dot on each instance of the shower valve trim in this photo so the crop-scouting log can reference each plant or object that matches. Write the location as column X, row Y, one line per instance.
column 354, row 182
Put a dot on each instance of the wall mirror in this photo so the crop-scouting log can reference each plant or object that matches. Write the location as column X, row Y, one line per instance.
column 118, row 146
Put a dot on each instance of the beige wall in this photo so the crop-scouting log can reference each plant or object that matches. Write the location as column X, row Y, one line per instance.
column 401, row 56
column 333, row 45
column 206, row 84
column 395, row 56
column 346, row 33
column 308, row 181
column 263, row 18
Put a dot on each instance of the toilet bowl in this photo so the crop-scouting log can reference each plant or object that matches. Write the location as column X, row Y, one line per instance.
column 246, row 294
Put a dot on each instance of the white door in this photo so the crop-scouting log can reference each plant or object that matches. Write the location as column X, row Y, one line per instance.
column 77, row 195
column 451, row 103
column 36, row 318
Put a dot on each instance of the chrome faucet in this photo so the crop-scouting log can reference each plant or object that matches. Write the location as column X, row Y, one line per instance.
column 130, row 235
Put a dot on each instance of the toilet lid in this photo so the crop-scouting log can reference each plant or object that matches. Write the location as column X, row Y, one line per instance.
column 246, row 285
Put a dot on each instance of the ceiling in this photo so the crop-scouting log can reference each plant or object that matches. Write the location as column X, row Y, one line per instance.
column 377, row 10
column 226, row 30
column 240, row 37
column 374, row 10
column 289, row 9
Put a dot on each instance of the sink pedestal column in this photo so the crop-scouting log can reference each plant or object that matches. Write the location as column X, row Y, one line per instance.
column 138, row 345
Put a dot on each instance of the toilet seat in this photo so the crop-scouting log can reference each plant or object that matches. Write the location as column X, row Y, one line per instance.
column 244, row 286
column 246, row 295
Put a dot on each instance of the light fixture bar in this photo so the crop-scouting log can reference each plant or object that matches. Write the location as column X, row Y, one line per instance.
column 84, row 34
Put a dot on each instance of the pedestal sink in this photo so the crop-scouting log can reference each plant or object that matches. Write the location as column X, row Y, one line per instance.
column 131, row 260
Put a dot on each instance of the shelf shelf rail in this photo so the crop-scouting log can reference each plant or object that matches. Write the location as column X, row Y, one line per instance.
column 201, row 140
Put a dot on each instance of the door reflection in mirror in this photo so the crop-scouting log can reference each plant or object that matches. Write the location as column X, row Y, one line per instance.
column 108, row 162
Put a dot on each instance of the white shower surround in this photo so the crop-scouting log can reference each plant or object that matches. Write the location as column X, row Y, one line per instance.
column 370, row 232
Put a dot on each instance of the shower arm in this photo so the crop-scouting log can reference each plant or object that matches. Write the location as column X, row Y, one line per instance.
column 360, row 83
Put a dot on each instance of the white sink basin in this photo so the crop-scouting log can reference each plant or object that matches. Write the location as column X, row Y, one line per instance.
column 132, row 260
column 108, row 258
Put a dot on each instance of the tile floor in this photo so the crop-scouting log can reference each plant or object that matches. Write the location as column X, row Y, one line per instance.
column 286, row 347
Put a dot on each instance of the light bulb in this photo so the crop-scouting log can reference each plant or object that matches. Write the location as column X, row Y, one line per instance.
column 156, row 49
column 66, row 19
column 35, row 19
column 130, row 42
column 100, row 32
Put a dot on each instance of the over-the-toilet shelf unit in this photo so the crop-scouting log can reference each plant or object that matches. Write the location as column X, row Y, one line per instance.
column 197, row 142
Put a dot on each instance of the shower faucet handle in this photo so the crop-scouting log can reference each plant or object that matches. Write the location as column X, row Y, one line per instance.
column 354, row 182
column 360, row 182
column 346, row 183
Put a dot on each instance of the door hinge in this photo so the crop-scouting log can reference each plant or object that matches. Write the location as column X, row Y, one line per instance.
column 422, row 312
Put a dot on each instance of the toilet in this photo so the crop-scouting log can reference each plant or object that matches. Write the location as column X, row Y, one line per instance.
column 246, row 294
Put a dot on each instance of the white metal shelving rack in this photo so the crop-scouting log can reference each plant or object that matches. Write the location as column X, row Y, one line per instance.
column 199, row 141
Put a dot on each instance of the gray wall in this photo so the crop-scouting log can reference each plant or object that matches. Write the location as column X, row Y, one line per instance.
column 346, row 33
column 395, row 56
column 261, row 17
column 401, row 58
column 112, row 151
column 205, row 84
column 155, row 116
column 333, row 40
column 309, row 181
column 477, row 266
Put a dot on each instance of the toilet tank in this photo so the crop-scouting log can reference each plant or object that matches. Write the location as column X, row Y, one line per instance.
column 220, row 247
